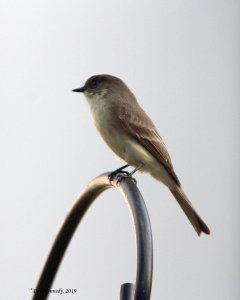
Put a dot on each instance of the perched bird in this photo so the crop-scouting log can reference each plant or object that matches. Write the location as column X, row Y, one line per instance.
column 131, row 134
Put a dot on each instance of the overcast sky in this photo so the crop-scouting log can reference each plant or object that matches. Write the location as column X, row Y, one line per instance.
column 182, row 61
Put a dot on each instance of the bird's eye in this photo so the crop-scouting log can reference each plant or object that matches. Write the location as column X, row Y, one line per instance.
column 94, row 83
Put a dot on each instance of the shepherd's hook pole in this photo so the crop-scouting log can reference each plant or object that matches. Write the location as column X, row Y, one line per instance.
column 141, row 290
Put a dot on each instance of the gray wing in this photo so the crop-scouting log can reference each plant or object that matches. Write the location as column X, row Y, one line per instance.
column 140, row 126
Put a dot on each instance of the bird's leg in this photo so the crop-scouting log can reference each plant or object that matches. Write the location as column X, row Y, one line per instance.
column 112, row 174
column 136, row 169
column 121, row 176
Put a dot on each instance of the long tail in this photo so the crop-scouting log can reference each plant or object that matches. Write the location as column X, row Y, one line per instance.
column 190, row 212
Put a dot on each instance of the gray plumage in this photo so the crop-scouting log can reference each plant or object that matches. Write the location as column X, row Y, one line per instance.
column 131, row 134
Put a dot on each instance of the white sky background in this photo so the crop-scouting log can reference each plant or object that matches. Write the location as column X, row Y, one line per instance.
column 182, row 61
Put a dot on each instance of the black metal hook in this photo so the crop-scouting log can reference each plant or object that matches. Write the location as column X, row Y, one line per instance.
column 141, row 290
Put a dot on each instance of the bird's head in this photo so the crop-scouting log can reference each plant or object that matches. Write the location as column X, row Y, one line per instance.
column 100, row 85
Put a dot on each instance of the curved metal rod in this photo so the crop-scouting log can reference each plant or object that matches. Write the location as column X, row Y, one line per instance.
column 142, row 289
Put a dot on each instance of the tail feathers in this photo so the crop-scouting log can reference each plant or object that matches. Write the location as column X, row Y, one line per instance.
column 190, row 212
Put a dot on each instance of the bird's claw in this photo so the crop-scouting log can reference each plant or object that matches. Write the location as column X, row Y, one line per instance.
column 122, row 175
column 114, row 173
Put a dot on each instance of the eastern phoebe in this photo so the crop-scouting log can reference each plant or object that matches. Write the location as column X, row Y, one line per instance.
column 131, row 134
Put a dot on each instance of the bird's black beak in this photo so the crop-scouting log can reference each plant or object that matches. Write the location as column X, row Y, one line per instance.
column 80, row 90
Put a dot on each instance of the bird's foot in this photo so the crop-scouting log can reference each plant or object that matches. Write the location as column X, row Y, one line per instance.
column 120, row 174
column 119, row 170
column 123, row 175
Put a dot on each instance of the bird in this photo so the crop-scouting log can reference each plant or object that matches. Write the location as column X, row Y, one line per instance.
column 133, row 137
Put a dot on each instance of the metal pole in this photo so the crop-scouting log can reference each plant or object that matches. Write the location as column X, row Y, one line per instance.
column 142, row 288
column 143, row 238
column 127, row 291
